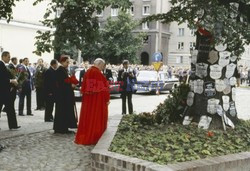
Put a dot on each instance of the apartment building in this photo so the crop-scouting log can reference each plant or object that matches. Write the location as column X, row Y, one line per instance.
column 181, row 41
column 158, row 35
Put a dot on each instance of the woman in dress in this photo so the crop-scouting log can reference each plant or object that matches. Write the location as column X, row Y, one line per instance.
column 65, row 111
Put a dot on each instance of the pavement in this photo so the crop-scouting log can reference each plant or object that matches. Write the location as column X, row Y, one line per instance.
column 35, row 147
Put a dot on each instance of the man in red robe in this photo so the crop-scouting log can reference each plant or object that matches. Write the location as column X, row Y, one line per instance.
column 95, row 101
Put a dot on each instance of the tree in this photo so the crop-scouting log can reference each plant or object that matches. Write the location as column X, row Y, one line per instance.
column 223, row 28
column 74, row 25
column 6, row 9
column 118, row 42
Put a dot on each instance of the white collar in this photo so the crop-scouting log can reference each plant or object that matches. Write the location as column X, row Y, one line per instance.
column 13, row 64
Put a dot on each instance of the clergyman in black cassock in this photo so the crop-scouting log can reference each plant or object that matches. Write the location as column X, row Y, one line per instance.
column 50, row 89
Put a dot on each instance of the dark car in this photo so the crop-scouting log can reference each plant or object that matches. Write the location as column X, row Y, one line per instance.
column 114, row 86
column 150, row 81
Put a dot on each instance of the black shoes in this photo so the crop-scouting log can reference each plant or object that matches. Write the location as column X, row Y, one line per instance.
column 40, row 108
column 15, row 127
column 21, row 114
column 30, row 114
column 50, row 120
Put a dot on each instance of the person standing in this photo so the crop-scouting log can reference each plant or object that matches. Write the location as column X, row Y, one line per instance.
column 13, row 91
column 95, row 101
column 5, row 87
column 50, row 89
column 39, row 85
column 65, row 101
column 127, row 77
column 107, row 73
column 248, row 77
column 25, row 88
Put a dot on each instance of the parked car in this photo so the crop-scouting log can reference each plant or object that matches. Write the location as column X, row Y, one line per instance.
column 147, row 81
column 114, row 86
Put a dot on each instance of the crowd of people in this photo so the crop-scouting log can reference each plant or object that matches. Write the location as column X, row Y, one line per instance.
column 54, row 86
column 55, row 83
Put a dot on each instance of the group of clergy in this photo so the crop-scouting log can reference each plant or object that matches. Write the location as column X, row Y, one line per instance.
column 59, row 90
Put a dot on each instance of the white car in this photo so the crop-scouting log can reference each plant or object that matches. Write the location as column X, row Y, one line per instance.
column 151, row 81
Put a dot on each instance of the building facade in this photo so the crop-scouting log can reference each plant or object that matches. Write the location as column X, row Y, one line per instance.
column 18, row 36
column 158, row 35
column 182, row 40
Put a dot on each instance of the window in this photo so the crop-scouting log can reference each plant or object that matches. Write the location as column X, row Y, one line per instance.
column 146, row 10
column 99, row 14
column 145, row 26
column 114, row 12
column 181, row 32
column 192, row 45
column 146, row 39
column 179, row 59
column 192, row 32
column 180, row 46
column 132, row 10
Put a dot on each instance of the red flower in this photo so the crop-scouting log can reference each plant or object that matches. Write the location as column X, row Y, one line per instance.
column 210, row 134
column 71, row 80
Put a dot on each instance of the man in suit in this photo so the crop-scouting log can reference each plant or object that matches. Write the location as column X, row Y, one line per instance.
column 5, row 87
column 127, row 77
column 25, row 87
column 13, row 70
column 49, row 89
column 107, row 73
column 39, row 84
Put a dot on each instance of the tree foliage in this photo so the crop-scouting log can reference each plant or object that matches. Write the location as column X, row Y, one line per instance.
column 118, row 42
column 227, row 20
column 6, row 9
column 76, row 24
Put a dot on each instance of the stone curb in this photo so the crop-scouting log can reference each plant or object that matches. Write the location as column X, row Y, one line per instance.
column 104, row 160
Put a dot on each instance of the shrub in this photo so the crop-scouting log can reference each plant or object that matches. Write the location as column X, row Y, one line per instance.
column 172, row 109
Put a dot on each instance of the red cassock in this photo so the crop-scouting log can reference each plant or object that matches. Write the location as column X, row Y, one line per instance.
column 94, row 110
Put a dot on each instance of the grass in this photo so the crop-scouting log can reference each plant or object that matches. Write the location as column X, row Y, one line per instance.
column 165, row 144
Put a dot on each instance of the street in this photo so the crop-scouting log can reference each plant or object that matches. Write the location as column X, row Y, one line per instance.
column 36, row 147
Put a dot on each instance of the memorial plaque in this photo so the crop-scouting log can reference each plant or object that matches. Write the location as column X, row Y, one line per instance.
column 215, row 71
column 225, row 100
column 230, row 69
column 191, row 84
column 190, row 99
column 187, row 120
column 220, row 85
column 192, row 72
column 234, row 94
column 201, row 70
column 213, row 57
column 224, row 60
column 232, row 109
column 228, row 122
column 194, row 55
column 227, row 89
column 233, row 58
column 220, row 110
column 225, row 54
column 233, row 81
column 209, row 89
column 212, row 105
column 204, row 122
column 198, row 86
column 221, row 47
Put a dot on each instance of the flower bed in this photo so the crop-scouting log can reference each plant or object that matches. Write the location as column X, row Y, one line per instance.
column 166, row 144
